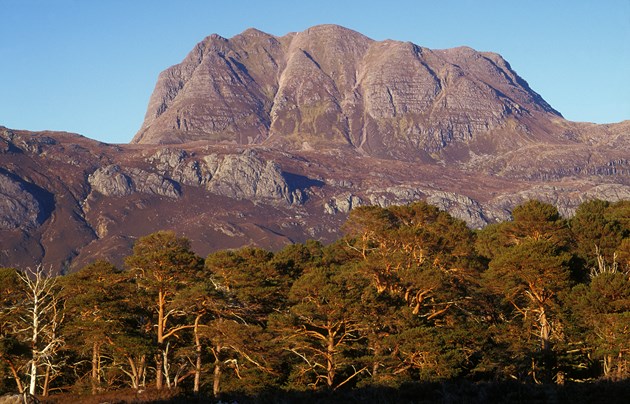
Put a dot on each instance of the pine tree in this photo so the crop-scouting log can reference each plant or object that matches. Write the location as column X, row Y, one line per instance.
column 98, row 299
column 163, row 265
column 529, row 271
column 324, row 328
column 602, row 308
column 13, row 350
column 596, row 233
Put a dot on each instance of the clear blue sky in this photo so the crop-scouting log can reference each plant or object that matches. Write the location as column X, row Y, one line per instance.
column 89, row 66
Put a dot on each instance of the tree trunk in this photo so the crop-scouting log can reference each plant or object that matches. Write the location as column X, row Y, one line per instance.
column 607, row 365
column 376, row 364
column 46, row 381
column 34, row 354
column 95, row 366
column 16, row 377
column 197, row 355
column 621, row 366
column 143, row 371
column 167, row 373
column 548, row 357
column 216, row 380
column 138, row 371
column 31, row 388
column 545, row 331
column 159, row 375
column 330, row 360
column 160, row 342
column 135, row 380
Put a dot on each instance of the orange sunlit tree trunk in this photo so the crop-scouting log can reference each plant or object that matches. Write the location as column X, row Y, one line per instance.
column 164, row 265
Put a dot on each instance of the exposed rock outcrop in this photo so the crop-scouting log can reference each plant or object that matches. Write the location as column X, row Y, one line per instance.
column 342, row 203
column 396, row 195
column 566, row 198
column 112, row 181
column 16, row 141
column 246, row 176
column 18, row 207
column 459, row 206
column 153, row 183
column 173, row 163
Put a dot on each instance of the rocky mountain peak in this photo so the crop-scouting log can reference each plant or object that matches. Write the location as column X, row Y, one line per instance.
column 332, row 87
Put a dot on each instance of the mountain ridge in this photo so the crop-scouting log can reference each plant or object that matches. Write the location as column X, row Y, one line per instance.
column 333, row 87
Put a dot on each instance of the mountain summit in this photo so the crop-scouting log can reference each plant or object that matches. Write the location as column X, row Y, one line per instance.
column 331, row 87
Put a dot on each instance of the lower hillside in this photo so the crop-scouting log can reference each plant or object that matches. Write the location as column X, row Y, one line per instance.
column 410, row 305
column 66, row 200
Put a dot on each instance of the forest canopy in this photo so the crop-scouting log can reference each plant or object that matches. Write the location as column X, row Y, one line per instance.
column 409, row 295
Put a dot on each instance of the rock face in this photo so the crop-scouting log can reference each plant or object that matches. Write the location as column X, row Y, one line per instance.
column 274, row 140
column 245, row 176
column 330, row 87
column 173, row 163
column 18, row 207
column 342, row 203
column 241, row 176
column 111, row 181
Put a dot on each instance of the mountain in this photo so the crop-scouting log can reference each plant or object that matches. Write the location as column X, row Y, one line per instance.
column 263, row 140
column 332, row 87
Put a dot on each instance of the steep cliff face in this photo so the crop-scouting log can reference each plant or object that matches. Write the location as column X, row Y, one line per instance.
column 222, row 91
column 331, row 87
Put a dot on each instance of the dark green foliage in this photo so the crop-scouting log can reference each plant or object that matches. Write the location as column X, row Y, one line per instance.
column 598, row 228
column 420, row 253
column 533, row 221
column 602, row 311
column 325, row 328
column 295, row 258
column 409, row 306
column 163, row 261
column 106, row 324
column 252, row 276
column 529, row 273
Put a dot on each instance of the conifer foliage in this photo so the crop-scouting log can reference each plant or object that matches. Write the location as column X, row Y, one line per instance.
column 408, row 296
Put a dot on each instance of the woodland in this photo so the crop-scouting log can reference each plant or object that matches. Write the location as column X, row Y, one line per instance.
column 410, row 305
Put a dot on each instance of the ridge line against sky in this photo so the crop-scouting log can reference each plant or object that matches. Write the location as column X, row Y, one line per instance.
column 90, row 66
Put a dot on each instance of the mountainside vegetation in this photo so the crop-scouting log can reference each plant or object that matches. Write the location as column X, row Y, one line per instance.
column 409, row 305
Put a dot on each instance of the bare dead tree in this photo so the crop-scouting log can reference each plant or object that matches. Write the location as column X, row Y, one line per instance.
column 40, row 319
